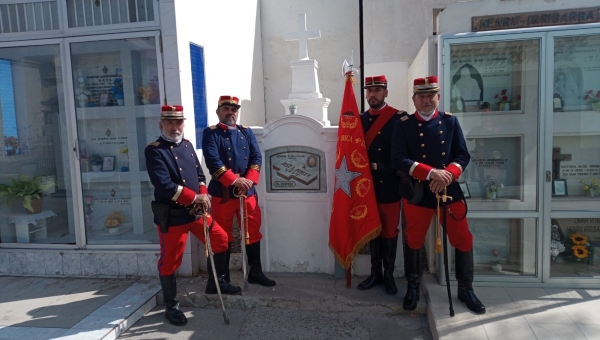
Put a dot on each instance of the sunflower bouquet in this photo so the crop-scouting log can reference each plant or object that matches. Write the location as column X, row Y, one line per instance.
column 581, row 246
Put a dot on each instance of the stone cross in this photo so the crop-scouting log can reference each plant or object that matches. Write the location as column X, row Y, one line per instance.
column 302, row 36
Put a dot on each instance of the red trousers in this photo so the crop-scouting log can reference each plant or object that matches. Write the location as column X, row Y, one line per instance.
column 224, row 213
column 418, row 220
column 390, row 217
column 172, row 243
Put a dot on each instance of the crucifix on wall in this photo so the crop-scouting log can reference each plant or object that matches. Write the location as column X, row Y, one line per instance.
column 557, row 157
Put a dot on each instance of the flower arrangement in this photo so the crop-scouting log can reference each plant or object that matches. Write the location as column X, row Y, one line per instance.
column 96, row 159
column 124, row 150
column 492, row 186
column 114, row 219
column 580, row 246
column 495, row 253
column 501, row 97
column 591, row 188
column 590, row 97
column 556, row 247
column 11, row 144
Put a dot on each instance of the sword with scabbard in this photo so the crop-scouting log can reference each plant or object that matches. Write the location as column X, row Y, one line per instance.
column 199, row 210
column 441, row 208
column 244, row 234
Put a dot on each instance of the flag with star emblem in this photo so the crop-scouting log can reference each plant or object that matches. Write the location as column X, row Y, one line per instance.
column 354, row 216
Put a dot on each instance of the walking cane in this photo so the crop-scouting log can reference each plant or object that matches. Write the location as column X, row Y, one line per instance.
column 208, row 253
column 244, row 236
column 444, row 197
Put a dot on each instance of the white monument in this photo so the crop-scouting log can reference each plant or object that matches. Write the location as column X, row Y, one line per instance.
column 305, row 97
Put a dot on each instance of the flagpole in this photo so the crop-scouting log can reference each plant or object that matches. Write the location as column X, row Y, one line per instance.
column 361, row 53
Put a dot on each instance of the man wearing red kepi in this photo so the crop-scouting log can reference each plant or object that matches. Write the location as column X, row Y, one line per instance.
column 429, row 147
column 378, row 125
column 178, row 180
column 233, row 158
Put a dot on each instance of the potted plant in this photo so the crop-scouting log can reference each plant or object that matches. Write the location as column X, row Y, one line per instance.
column 293, row 109
column 96, row 161
column 492, row 188
column 28, row 190
column 501, row 100
column 593, row 99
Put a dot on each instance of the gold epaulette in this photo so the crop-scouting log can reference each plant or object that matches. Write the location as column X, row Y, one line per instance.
column 448, row 113
column 400, row 112
column 212, row 127
column 403, row 116
column 154, row 144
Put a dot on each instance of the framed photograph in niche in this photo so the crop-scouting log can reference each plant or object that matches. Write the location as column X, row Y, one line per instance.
column 465, row 189
column 559, row 188
column 108, row 163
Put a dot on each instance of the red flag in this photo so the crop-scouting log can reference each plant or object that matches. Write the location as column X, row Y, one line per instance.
column 354, row 216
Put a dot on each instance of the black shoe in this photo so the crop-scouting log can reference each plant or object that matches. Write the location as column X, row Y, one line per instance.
column 373, row 280
column 376, row 277
column 411, row 298
column 258, row 277
column 226, row 287
column 390, row 285
column 175, row 315
column 256, row 274
column 470, row 299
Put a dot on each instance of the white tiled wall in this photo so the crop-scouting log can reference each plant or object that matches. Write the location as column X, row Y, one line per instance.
column 78, row 263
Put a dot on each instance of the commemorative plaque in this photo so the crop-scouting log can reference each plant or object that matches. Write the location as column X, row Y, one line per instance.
column 295, row 169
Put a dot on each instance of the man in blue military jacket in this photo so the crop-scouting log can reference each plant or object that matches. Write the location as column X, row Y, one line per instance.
column 429, row 146
column 234, row 159
column 179, row 183
column 378, row 124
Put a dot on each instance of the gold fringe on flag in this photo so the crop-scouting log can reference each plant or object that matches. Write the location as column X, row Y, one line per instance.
column 347, row 262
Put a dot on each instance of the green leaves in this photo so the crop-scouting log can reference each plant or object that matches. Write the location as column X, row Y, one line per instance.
column 25, row 189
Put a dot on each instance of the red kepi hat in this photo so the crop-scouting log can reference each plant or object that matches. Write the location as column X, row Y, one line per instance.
column 229, row 100
column 427, row 84
column 171, row 112
column 375, row 81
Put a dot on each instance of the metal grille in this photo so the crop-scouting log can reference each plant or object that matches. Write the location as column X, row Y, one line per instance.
column 83, row 13
column 28, row 16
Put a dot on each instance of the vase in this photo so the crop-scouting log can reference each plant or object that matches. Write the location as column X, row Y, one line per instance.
column 494, row 195
column 293, row 110
column 120, row 102
column 501, row 106
column 515, row 106
column 113, row 230
column 590, row 193
column 146, row 101
column 497, row 267
column 506, row 107
column 96, row 167
column 596, row 106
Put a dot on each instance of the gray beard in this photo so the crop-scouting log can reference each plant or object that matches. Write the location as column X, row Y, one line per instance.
column 176, row 141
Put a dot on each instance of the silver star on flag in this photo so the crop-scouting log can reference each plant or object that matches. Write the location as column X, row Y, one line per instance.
column 343, row 177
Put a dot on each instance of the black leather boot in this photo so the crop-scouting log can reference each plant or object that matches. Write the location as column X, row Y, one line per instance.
column 376, row 277
column 389, row 259
column 412, row 269
column 256, row 275
column 464, row 276
column 222, row 268
column 228, row 260
column 169, row 290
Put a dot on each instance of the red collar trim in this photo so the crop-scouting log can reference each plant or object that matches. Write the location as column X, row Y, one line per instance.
column 377, row 112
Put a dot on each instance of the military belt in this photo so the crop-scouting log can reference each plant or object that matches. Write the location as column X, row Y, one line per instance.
column 381, row 166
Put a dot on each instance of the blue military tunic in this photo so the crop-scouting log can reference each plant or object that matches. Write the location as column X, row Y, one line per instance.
column 230, row 149
column 384, row 174
column 170, row 168
column 437, row 143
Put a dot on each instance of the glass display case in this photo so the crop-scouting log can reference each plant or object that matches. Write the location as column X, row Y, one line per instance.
column 117, row 98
